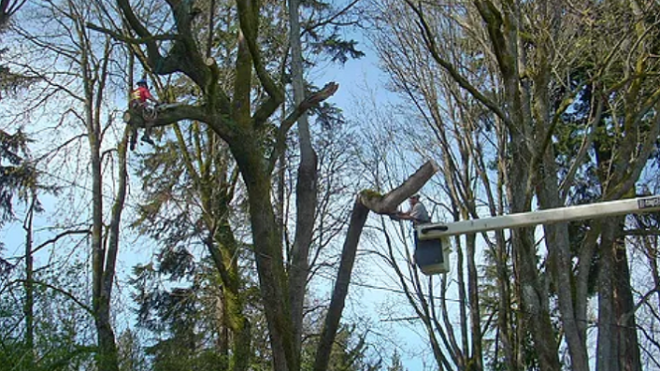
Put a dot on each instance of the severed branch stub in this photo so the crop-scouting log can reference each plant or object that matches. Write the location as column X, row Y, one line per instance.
column 130, row 116
column 388, row 203
column 313, row 100
column 134, row 118
column 327, row 91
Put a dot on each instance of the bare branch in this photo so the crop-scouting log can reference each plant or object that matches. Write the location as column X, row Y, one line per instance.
column 59, row 236
column 248, row 13
column 429, row 39
column 63, row 292
column 131, row 40
column 326, row 92
column 9, row 8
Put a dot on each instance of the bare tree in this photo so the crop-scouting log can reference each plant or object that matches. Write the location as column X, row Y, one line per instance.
column 88, row 62
column 524, row 65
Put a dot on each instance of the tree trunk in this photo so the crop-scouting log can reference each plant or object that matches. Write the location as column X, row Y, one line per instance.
column 28, row 308
column 476, row 357
column 234, row 317
column 272, row 278
column 216, row 194
column 560, row 265
column 324, row 348
column 606, row 352
column 505, row 317
column 103, row 256
column 536, row 314
column 107, row 348
column 629, row 357
column 268, row 254
column 306, row 188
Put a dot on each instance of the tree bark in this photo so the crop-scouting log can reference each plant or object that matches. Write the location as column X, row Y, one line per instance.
column 216, row 193
column 324, row 348
column 107, row 348
column 28, row 308
column 560, row 266
column 606, row 351
column 225, row 261
column 268, row 254
column 306, row 188
column 624, row 311
column 103, row 256
column 476, row 355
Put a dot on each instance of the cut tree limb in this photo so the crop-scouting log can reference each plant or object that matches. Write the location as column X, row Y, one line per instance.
column 388, row 203
column 366, row 201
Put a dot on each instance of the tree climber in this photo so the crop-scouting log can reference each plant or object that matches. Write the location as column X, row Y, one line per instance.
column 138, row 102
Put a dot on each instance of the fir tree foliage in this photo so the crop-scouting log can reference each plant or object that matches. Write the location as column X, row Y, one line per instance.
column 324, row 32
column 17, row 174
column 179, row 305
column 61, row 341
column 9, row 81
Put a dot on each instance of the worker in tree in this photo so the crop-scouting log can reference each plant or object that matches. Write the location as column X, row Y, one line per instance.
column 417, row 213
column 138, row 102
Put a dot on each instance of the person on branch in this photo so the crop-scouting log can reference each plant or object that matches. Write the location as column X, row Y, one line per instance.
column 139, row 98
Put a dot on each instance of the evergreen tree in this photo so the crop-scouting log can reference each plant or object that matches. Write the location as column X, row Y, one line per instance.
column 396, row 364
column 185, row 313
column 16, row 173
column 9, row 81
